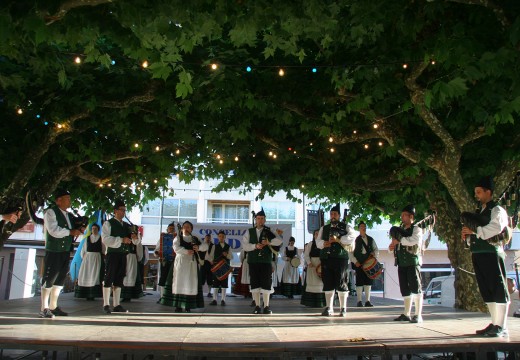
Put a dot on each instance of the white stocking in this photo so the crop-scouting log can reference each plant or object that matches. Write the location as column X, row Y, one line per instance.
column 55, row 293
column 46, row 293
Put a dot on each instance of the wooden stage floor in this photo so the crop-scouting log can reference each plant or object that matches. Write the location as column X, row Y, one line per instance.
column 151, row 330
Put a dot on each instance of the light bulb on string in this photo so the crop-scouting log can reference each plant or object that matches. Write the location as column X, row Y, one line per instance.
column 405, row 66
column 155, row 181
column 77, row 60
column 380, row 143
column 19, row 111
column 354, row 132
column 248, row 69
column 113, row 62
column 214, row 66
column 100, row 185
column 109, row 185
column 275, row 156
column 157, row 148
column 59, row 126
column 177, row 151
column 432, row 62
column 236, row 158
column 281, row 72
column 331, row 139
column 366, row 146
column 332, row 150
column 270, row 153
column 314, row 70
column 218, row 157
column 38, row 116
column 302, row 186
column 45, row 123
column 145, row 64
column 375, row 126
column 136, row 145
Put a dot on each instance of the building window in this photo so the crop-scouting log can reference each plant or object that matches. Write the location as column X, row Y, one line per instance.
column 229, row 213
column 156, row 212
column 280, row 212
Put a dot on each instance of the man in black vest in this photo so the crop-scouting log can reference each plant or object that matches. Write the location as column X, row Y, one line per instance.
column 118, row 239
column 59, row 235
column 365, row 246
column 406, row 245
column 335, row 241
column 258, row 242
column 488, row 258
column 220, row 251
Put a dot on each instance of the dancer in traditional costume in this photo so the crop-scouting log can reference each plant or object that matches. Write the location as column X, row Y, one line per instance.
column 313, row 295
column 291, row 275
column 92, row 267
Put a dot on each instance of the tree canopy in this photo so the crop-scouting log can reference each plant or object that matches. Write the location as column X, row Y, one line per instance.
column 381, row 103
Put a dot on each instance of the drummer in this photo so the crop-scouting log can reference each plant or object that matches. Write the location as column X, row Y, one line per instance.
column 364, row 247
column 218, row 253
column 291, row 275
column 164, row 250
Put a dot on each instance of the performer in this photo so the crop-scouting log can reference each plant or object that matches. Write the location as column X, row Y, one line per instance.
column 186, row 288
column 258, row 242
column 215, row 254
column 335, row 240
column 514, row 305
column 92, row 269
column 241, row 286
column 291, row 276
column 206, row 276
column 132, row 282
column 59, row 236
column 168, row 255
column 313, row 295
column 488, row 258
column 363, row 248
column 407, row 251
column 118, row 239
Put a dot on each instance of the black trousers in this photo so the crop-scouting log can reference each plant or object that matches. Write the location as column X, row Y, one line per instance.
column 56, row 267
column 334, row 273
column 261, row 275
column 361, row 276
column 490, row 272
column 115, row 269
column 409, row 280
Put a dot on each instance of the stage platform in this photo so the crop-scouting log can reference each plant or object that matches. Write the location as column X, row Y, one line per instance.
column 151, row 330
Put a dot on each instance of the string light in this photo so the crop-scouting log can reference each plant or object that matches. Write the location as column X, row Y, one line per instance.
column 155, row 181
column 248, row 69
column 100, row 185
column 221, row 161
column 354, row 132
column 270, row 153
column 302, row 186
column 331, row 139
column 281, row 72
column 45, row 123
column 236, row 158
column 145, row 64
column 218, row 156
column 405, row 66
column 38, row 116
column 19, row 111
column 433, row 62
column 109, row 185
column 314, row 70
column 380, row 143
column 366, row 146
column 59, row 126
column 113, row 62
column 332, row 150
column 275, row 156
column 157, row 148
column 77, row 60
column 376, row 126
column 177, row 151
column 214, row 66
column 136, row 145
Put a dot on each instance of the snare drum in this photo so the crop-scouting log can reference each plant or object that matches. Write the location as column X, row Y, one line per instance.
column 221, row 270
column 372, row 267
column 295, row 262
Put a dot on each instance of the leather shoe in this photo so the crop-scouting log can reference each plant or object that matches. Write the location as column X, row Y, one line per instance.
column 119, row 309
column 214, row 302
column 402, row 317
column 59, row 312
column 106, row 309
column 343, row 312
column 327, row 312
column 222, row 303
column 46, row 314
column 267, row 311
column 360, row 304
column 368, row 304
column 485, row 330
column 257, row 310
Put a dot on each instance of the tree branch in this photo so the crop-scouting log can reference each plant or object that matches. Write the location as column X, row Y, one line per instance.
column 72, row 4
column 498, row 11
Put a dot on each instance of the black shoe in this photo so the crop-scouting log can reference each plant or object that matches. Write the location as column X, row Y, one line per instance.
column 290, row 297
column 106, row 309
column 253, row 303
column 209, row 295
column 495, row 331
column 327, row 312
column 257, row 310
column 119, row 309
column 343, row 312
column 360, row 304
column 46, row 314
column 517, row 315
column 188, row 310
column 485, row 330
column 416, row 319
column 368, row 304
column 214, row 302
column 402, row 317
column 267, row 311
column 178, row 310
column 223, row 303
column 59, row 312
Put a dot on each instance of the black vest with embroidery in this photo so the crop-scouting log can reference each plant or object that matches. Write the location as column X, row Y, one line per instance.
column 93, row 247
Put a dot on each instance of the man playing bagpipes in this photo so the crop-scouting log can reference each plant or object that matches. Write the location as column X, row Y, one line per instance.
column 488, row 255
column 406, row 246
column 219, row 257
column 259, row 241
column 335, row 241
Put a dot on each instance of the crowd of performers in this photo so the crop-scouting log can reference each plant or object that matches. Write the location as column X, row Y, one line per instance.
column 188, row 262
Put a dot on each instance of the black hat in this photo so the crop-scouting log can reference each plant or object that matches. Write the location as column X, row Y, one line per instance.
column 409, row 209
column 60, row 192
column 222, row 232
column 486, row 182
column 260, row 213
column 188, row 222
column 118, row 203
column 336, row 208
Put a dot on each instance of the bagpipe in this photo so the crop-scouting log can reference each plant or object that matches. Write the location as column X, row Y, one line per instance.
column 10, row 205
column 195, row 241
column 472, row 220
column 266, row 234
column 337, row 230
column 428, row 223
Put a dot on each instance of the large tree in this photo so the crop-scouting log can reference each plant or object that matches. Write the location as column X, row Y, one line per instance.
column 382, row 103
